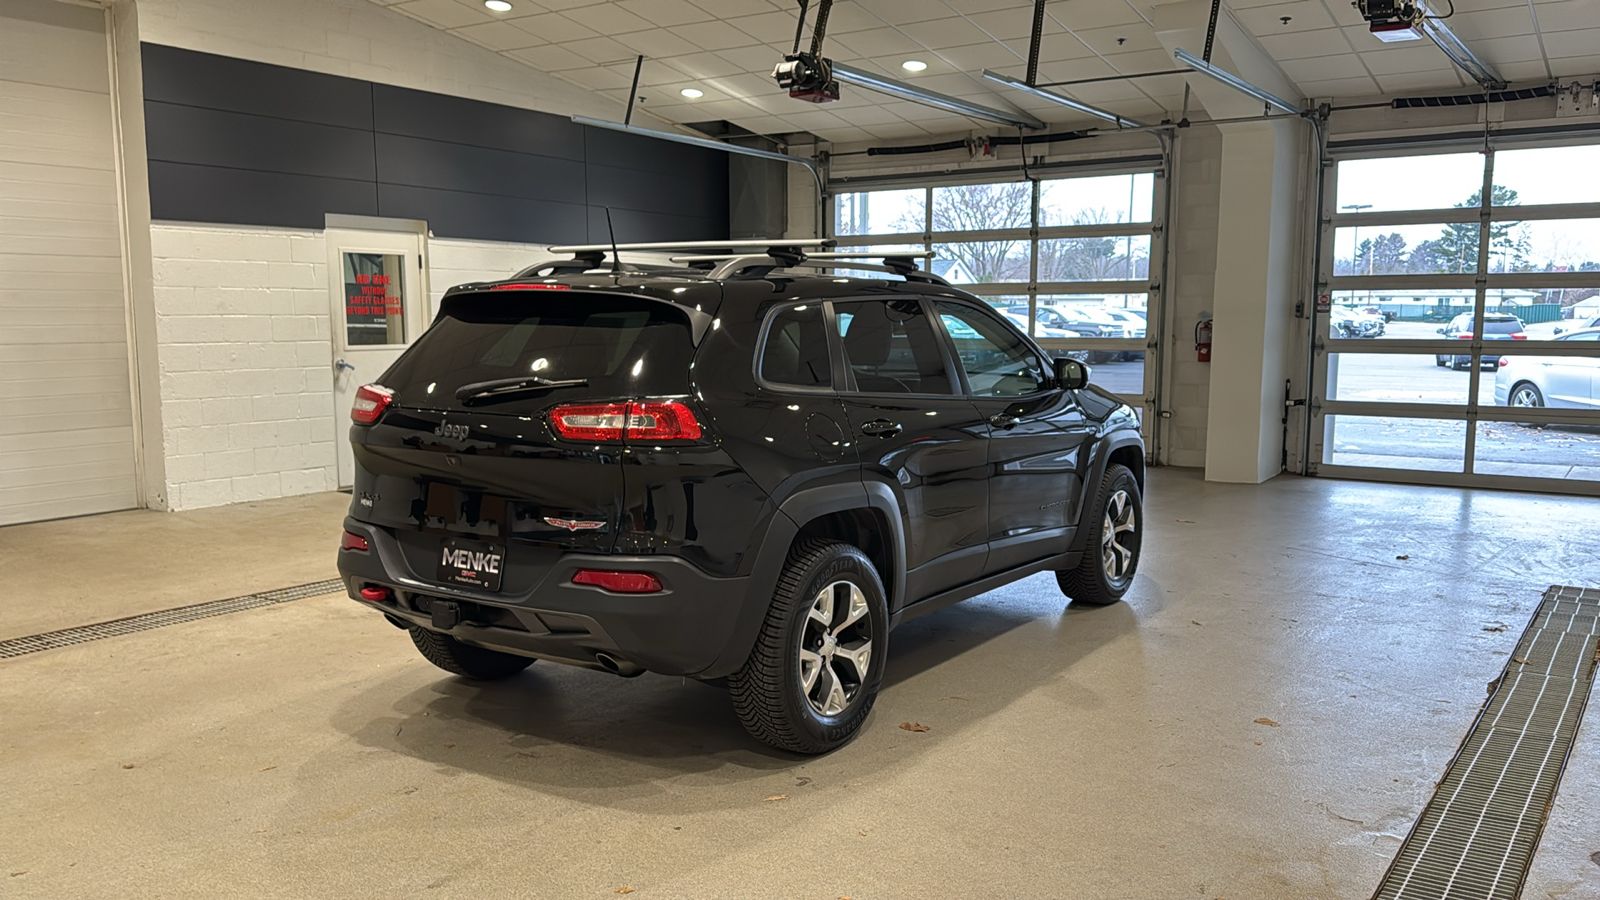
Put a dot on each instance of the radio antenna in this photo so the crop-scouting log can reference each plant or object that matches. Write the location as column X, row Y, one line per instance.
column 616, row 258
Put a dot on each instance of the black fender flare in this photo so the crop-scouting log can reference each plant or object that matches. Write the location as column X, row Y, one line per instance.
column 1116, row 440
column 772, row 551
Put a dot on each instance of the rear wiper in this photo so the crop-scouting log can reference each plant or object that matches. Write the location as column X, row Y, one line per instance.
column 483, row 390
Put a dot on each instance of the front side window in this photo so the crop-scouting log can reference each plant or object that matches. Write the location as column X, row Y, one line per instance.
column 998, row 363
column 796, row 351
column 891, row 347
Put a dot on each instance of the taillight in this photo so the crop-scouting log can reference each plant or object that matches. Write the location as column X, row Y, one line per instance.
column 1464, row 337
column 1519, row 336
column 353, row 541
column 371, row 401
column 642, row 421
column 619, row 582
column 590, row 422
column 1504, row 360
column 662, row 422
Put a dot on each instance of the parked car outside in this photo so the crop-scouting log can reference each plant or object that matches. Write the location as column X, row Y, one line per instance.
column 1580, row 324
column 726, row 478
column 1496, row 327
column 1559, row 382
column 1344, row 322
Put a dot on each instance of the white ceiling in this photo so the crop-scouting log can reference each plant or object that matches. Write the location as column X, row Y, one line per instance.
column 726, row 48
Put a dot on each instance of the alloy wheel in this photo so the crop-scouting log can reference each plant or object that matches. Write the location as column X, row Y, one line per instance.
column 1117, row 534
column 1524, row 396
column 835, row 648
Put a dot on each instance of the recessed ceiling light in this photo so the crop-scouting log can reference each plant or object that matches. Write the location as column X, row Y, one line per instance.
column 913, row 65
column 498, row 5
column 692, row 93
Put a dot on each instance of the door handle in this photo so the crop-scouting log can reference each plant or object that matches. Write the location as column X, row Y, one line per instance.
column 1003, row 421
column 881, row 428
column 340, row 365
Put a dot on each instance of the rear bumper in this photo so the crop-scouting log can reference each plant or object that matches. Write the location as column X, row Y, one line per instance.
column 679, row 631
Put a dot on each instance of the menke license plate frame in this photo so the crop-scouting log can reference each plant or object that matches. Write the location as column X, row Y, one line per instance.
column 477, row 564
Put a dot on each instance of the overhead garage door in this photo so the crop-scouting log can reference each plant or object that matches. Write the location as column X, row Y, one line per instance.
column 66, row 414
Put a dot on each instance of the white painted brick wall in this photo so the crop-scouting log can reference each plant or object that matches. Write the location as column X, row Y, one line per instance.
column 453, row 262
column 1194, row 269
column 242, row 320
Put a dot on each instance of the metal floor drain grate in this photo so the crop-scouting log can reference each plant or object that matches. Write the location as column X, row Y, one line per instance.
column 1476, row 837
column 84, row 633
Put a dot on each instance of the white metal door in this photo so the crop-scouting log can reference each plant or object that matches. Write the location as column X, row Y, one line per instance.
column 379, row 307
column 66, row 407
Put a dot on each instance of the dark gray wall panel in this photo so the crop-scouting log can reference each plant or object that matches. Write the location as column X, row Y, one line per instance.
column 455, row 167
column 232, row 141
column 212, row 137
column 445, row 118
column 189, row 78
column 483, row 216
column 654, row 192
column 635, row 226
column 194, row 193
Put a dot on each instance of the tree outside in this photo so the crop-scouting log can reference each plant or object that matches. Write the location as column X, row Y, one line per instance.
column 1453, row 252
column 994, row 206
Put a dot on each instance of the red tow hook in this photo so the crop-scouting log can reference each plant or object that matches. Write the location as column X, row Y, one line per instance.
column 375, row 594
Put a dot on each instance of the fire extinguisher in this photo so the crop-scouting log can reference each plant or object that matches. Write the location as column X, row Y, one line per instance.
column 1202, row 340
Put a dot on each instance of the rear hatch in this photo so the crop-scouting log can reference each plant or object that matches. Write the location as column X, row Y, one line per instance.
column 506, row 425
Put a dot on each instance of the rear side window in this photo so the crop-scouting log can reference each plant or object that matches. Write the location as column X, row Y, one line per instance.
column 891, row 347
column 796, row 350
column 621, row 346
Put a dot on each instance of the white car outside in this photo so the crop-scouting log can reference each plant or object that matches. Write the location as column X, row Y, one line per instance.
column 1561, row 382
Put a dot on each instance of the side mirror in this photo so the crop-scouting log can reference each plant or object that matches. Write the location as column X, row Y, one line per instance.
column 1071, row 374
column 1561, row 331
column 1440, row 330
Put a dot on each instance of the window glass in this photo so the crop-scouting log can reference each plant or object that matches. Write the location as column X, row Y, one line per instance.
column 880, row 212
column 983, row 207
column 998, row 363
column 1095, row 258
column 796, row 352
column 1445, row 249
column 981, row 262
column 374, row 299
column 1410, row 182
column 1102, row 200
column 1547, row 175
column 1546, row 245
column 891, row 347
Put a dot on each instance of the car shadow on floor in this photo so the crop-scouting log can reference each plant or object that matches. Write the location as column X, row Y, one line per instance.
column 584, row 733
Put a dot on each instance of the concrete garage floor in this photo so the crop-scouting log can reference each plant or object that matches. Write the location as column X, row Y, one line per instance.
column 305, row 750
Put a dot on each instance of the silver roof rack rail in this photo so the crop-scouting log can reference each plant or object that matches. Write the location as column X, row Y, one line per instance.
column 730, row 267
column 760, row 244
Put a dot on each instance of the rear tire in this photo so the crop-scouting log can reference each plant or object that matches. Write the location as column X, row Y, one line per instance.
column 466, row 660
column 1456, row 364
column 1441, row 361
column 1111, row 553
column 816, row 667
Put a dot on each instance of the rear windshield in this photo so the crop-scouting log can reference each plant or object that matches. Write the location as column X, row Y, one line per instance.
column 1501, row 324
column 621, row 346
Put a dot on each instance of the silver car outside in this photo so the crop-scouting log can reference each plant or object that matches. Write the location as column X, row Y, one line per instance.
column 1561, row 382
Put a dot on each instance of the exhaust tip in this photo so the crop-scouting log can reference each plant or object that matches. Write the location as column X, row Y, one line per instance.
column 618, row 666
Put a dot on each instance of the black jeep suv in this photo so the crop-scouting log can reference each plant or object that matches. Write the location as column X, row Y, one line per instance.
column 746, row 476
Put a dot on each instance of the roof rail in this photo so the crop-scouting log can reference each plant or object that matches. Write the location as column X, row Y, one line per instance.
column 760, row 266
column 759, row 244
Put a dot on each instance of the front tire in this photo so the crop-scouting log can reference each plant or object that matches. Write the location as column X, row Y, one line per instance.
column 1111, row 556
column 1460, row 363
column 466, row 660
column 815, row 670
column 1441, row 361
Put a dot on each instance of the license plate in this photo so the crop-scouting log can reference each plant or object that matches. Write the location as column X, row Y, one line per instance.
column 472, row 563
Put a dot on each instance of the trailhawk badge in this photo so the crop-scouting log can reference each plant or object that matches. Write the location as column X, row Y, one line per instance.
column 574, row 524
column 472, row 563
